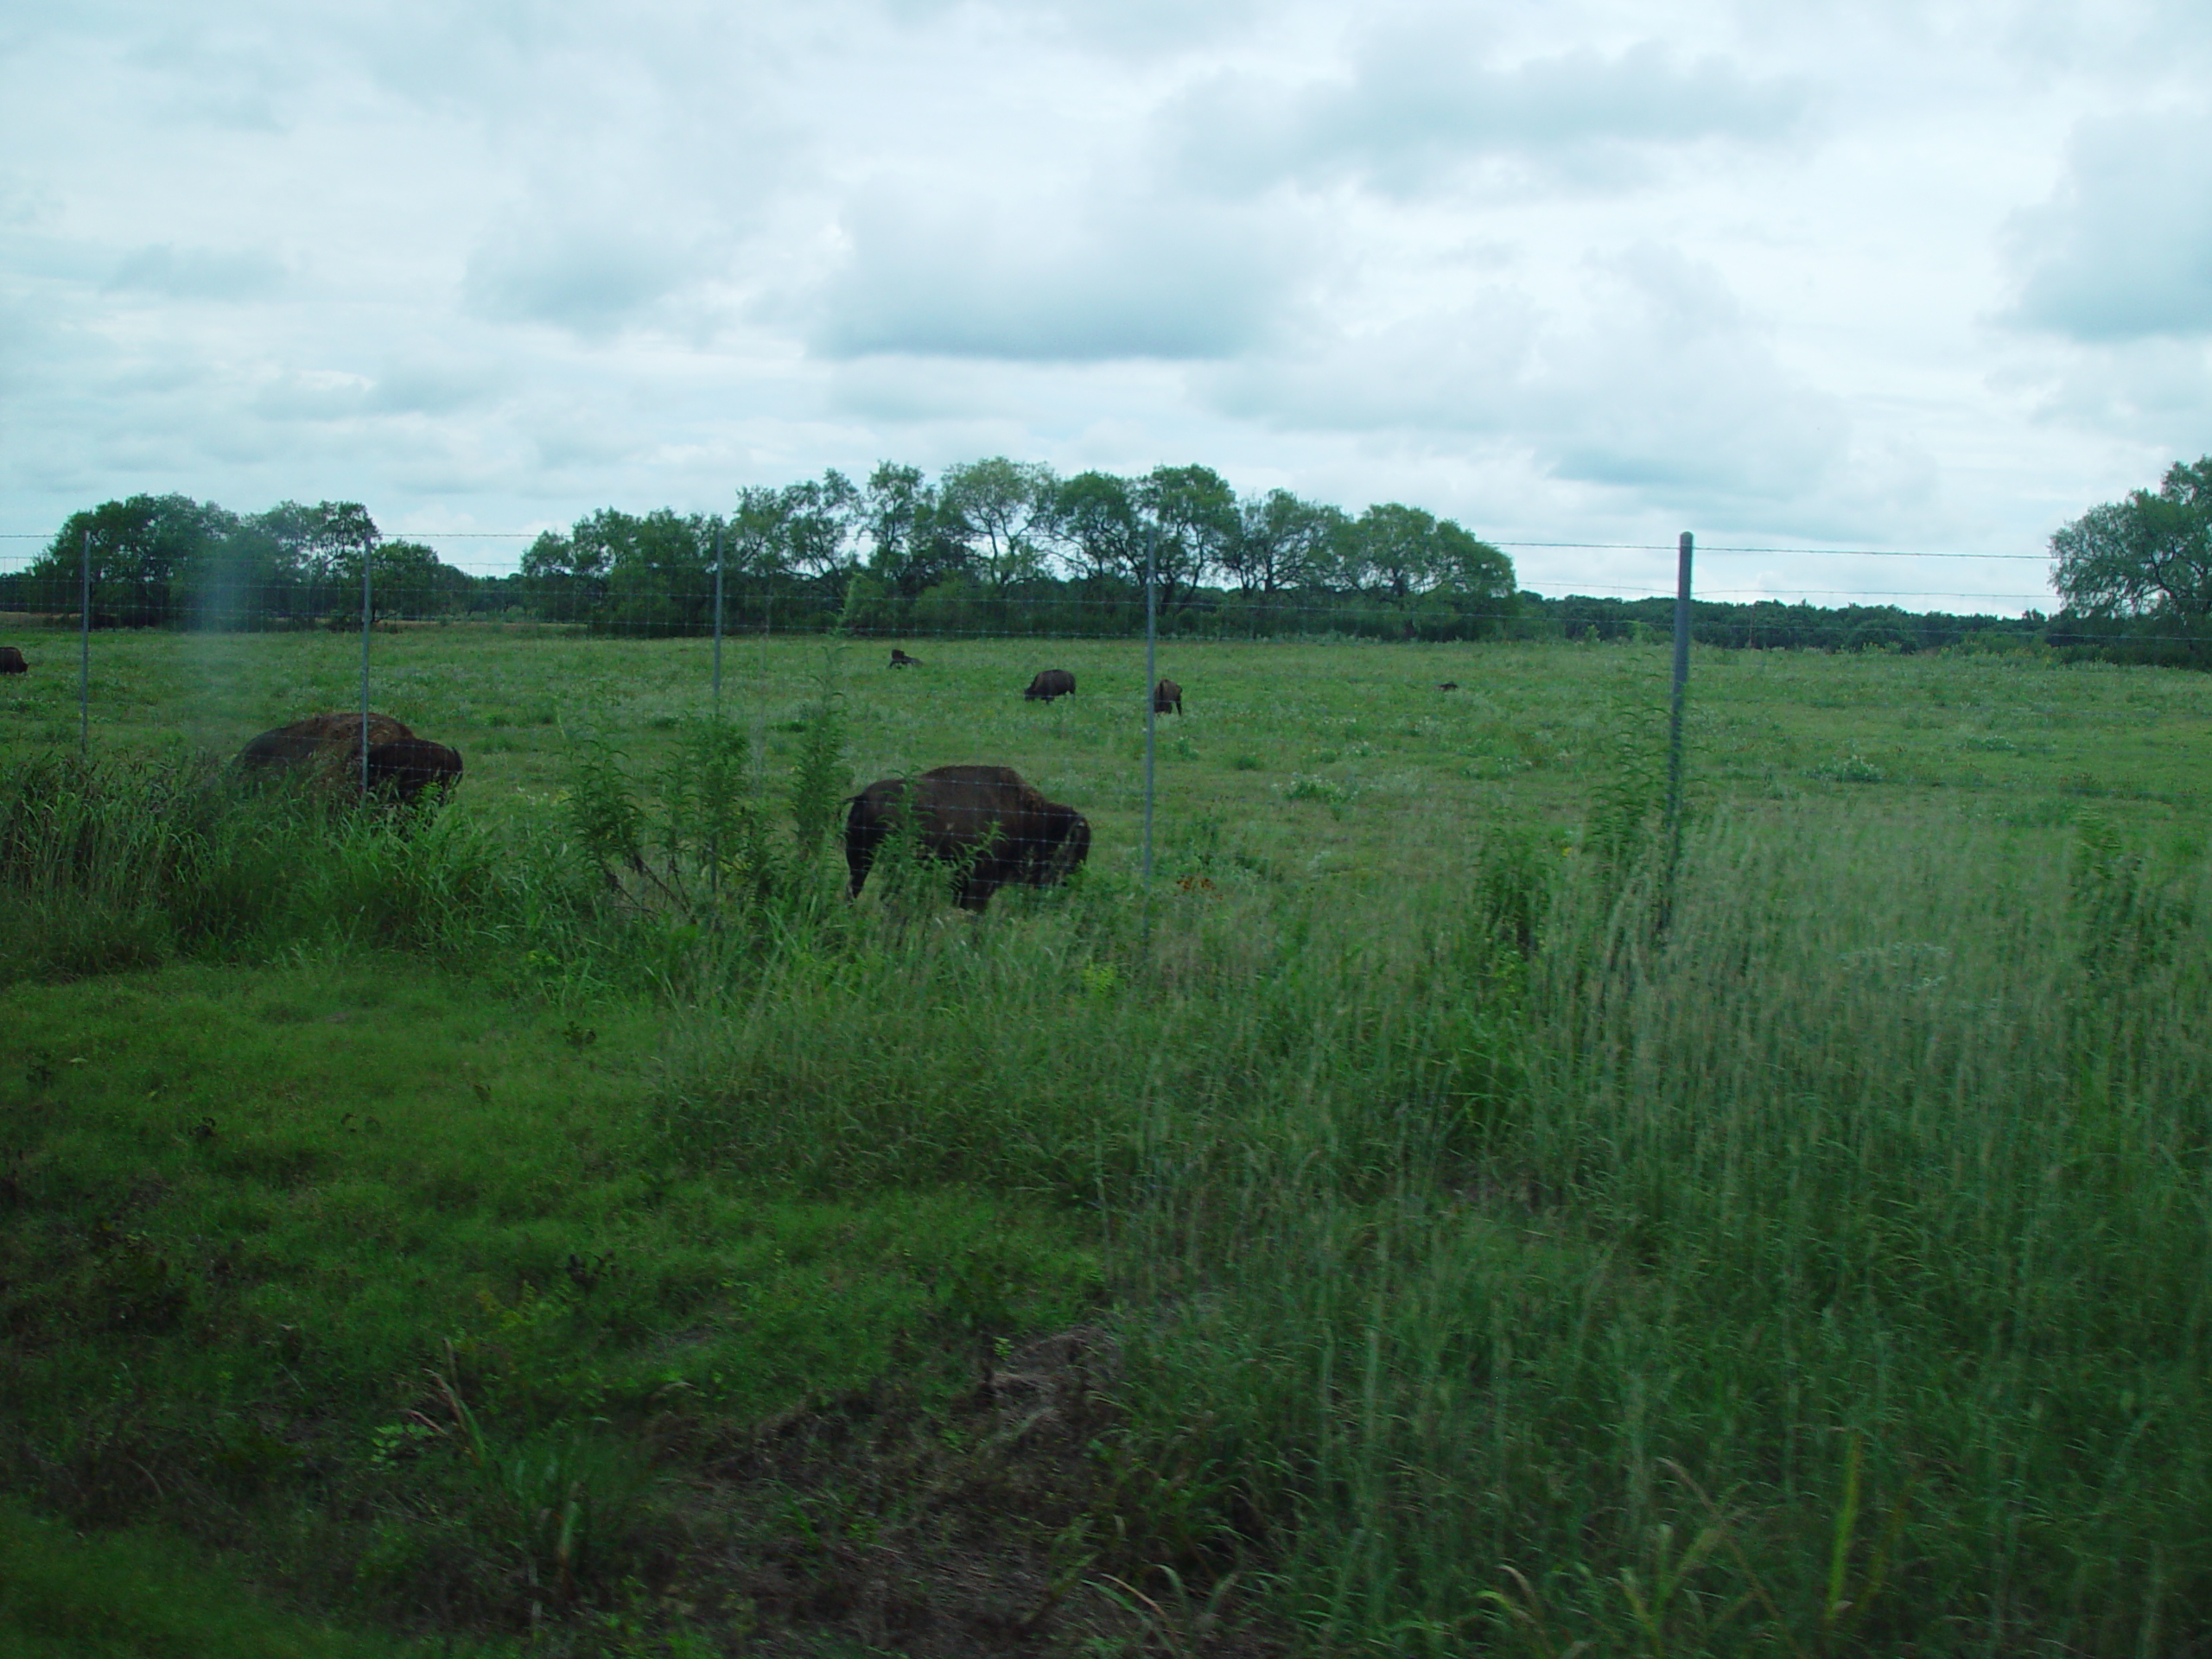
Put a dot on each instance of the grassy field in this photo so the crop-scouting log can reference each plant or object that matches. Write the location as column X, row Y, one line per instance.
column 1528, row 729
column 1413, row 1225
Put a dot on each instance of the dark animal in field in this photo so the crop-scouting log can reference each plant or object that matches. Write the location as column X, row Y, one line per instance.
column 993, row 828
column 406, row 768
column 1049, row 683
column 12, row 661
column 324, row 751
column 1447, row 685
column 901, row 659
column 1167, row 698
column 319, row 741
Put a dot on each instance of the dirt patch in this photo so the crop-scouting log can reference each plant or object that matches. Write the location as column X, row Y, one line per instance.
column 869, row 1525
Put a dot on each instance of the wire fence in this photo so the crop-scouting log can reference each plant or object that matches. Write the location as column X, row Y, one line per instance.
column 43, row 604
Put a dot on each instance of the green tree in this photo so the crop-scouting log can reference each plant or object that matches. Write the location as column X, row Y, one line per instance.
column 911, row 547
column 2146, row 555
column 1003, row 510
column 141, row 549
column 1097, row 526
column 1193, row 514
column 802, row 530
column 1281, row 542
column 659, row 568
column 1396, row 552
column 566, row 578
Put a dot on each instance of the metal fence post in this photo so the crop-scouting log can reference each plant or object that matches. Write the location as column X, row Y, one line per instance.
column 367, row 551
column 1151, row 678
column 1681, row 689
column 718, row 625
column 85, row 652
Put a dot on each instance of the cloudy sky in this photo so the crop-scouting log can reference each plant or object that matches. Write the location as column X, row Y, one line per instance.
column 1904, row 275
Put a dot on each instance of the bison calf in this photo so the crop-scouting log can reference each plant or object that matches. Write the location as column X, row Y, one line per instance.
column 901, row 659
column 984, row 820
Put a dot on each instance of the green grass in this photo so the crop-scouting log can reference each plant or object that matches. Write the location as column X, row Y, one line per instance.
column 1490, row 1264
column 132, row 1596
column 2015, row 738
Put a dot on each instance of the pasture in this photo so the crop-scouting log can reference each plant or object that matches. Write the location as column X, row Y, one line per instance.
column 1412, row 1224
column 1325, row 759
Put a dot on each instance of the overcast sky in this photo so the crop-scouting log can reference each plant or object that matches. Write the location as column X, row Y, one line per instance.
column 1907, row 275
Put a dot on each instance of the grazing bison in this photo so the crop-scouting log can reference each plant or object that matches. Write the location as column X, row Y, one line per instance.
column 1049, row 683
column 984, row 820
column 407, row 767
column 12, row 661
column 1166, row 698
column 318, row 742
column 325, row 750
column 901, row 659
column 1447, row 685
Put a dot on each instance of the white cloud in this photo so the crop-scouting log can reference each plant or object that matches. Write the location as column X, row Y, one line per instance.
column 1417, row 105
column 1074, row 280
column 2124, row 249
column 1582, row 271
column 187, row 273
column 1649, row 379
column 588, row 282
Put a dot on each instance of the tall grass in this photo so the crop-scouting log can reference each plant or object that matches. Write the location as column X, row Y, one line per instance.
column 1837, row 1277
column 126, row 863
column 1824, row 1269
column 1827, row 1270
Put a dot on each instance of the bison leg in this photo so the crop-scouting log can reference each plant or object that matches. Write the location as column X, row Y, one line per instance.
column 864, row 830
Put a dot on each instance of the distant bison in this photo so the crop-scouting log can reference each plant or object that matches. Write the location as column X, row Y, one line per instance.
column 1447, row 685
column 12, row 661
column 406, row 768
column 901, row 659
column 1167, row 698
column 1052, row 683
column 992, row 827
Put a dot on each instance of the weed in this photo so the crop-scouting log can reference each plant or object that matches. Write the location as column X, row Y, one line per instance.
column 820, row 778
column 1852, row 768
column 1329, row 790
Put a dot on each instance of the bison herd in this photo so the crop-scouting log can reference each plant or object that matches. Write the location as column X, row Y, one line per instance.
column 990, row 825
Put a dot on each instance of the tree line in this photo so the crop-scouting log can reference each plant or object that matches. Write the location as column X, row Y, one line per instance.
column 1004, row 546
column 1001, row 546
column 994, row 545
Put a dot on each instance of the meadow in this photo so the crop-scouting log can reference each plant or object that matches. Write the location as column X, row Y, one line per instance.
column 1426, row 1219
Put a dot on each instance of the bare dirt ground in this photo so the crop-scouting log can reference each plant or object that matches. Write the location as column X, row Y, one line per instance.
column 864, row 1526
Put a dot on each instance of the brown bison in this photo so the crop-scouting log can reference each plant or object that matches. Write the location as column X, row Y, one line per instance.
column 407, row 767
column 12, row 661
column 901, row 659
column 1166, row 698
column 326, row 750
column 1049, row 683
column 319, row 742
column 984, row 820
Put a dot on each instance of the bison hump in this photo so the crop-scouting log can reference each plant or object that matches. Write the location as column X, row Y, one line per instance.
column 1004, row 775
